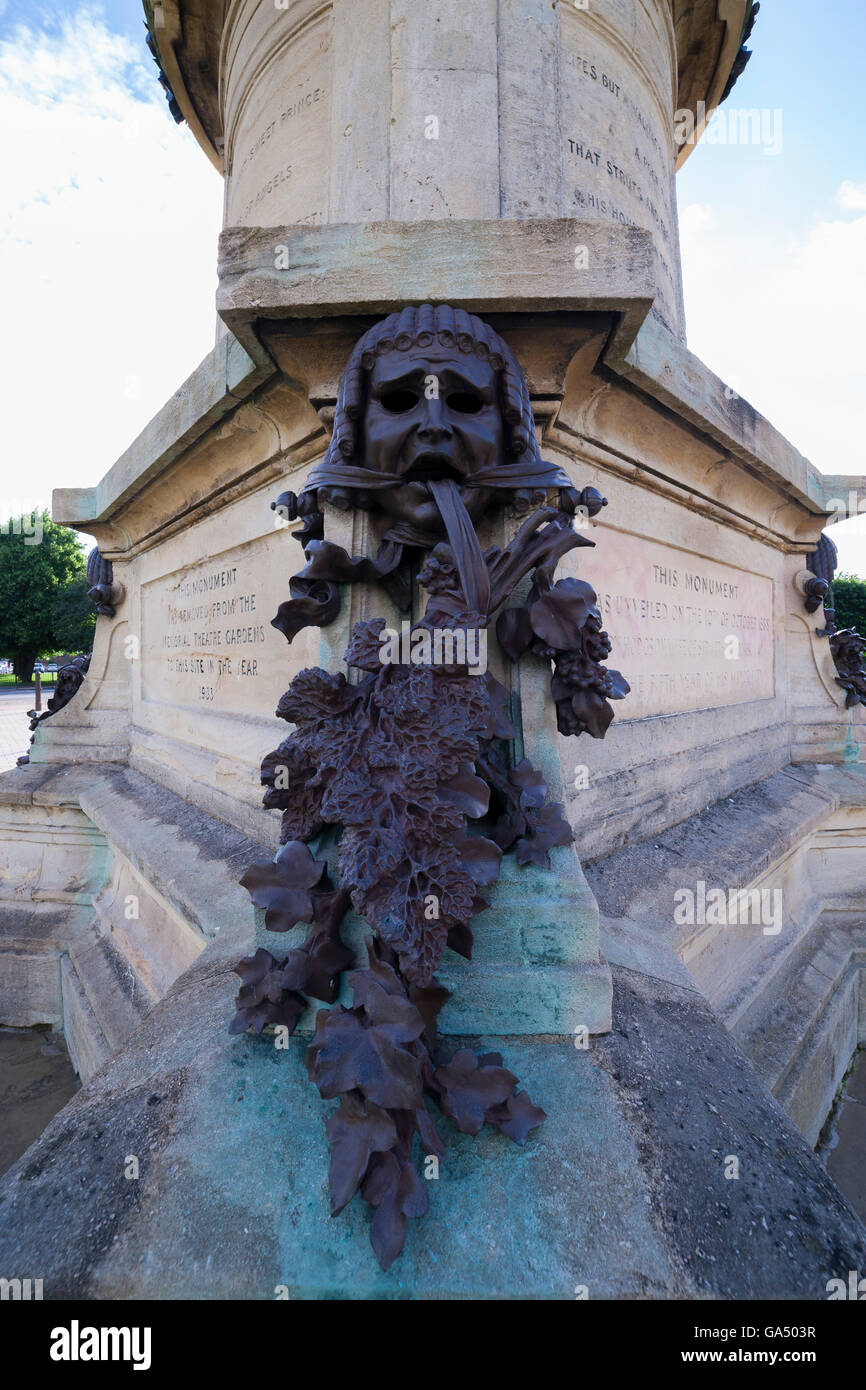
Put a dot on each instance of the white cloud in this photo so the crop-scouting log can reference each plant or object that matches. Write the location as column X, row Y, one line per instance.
column 853, row 195
column 108, row 227
column 782, row 322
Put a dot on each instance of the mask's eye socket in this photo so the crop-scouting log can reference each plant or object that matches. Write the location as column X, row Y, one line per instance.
column 465, row 402
column 399, row 400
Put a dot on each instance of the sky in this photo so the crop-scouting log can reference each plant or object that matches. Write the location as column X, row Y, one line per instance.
column 110, row 213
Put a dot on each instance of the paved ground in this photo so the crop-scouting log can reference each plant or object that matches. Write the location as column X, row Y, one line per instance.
column 15, row 701
column 36, row 1080
column 846, row 1163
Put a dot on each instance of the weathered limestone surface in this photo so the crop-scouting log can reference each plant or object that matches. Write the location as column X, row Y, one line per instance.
column 789, row 985
column 542, row 264
column 530, row 110
column 707, row 35
column 100, row 940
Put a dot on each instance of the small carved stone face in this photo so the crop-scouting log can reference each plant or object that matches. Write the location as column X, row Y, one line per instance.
column 432, row 415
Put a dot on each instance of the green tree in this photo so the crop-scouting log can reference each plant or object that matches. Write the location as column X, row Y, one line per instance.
column 848, row 597
column 38, row 559
column 74, row 617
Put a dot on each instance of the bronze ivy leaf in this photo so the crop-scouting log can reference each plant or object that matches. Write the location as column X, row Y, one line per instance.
column 430, row 1136
column 516, row 1116
column 358, row 1129
column 258, row 972
column 429, row 1000
column 460, row 939
column 533, row 788
column 285, row 1014
column 514, row 632
column 395, row 1189
column 618, row 685
column 261, row 999
column 481, row 857
column 468, row 793
column 546, row 829
column 381, row 966
column 394, row 1014
column 558, row 615
column 346, row 1056
column 282, row 886
column 315, row 967
column 470, row 1089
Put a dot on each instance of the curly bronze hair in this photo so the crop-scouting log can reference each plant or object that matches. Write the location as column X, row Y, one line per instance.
column 422, row 327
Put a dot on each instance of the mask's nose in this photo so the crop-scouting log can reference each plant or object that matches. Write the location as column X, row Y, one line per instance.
column 434, row 428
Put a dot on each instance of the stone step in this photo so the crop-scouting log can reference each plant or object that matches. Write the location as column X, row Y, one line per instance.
column 114, row 991
column 801, row 1032
column 88, row 1045
column 795, row 996
column 33, row 941
column 744, row 996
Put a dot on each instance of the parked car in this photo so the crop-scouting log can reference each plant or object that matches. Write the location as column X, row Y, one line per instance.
column 37, row 666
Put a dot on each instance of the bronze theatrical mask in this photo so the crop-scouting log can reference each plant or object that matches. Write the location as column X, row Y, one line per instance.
column 406, row 428
column 433, row 430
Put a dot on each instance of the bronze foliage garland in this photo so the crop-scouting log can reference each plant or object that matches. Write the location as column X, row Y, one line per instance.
column 385, row 775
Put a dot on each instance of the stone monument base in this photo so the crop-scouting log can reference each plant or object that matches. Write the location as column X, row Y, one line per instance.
column 622, row 1193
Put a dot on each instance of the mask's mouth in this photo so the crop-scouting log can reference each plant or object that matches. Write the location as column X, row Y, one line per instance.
column 433, row 467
